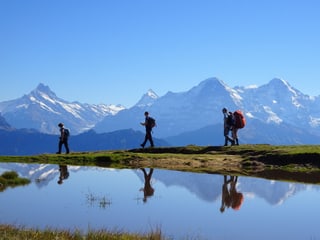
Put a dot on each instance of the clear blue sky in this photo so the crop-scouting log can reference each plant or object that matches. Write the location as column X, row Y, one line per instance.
column 113, row 51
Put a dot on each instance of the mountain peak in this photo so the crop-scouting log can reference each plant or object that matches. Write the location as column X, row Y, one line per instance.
column 209, row 85
column 214, row 82
column 148, row 98
column 43, row 90
column 279, row 82
column 280, row 85
column 152, row 94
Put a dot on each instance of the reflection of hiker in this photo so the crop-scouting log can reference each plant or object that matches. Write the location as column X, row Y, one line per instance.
column 230, row 196
column 149, row 124
column 63, row 139
column 64, row 173
column 227, row 126
column 148, row 189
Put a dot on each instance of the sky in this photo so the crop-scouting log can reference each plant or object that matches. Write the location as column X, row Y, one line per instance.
column 114, row 51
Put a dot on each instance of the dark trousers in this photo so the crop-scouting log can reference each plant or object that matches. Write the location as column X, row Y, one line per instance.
column 66, row 145
column 147, row 137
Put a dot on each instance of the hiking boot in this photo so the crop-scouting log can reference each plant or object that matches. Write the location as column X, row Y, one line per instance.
column 142, row 145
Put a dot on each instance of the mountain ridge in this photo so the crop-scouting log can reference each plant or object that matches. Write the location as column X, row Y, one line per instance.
column 41, row 109
column 276, row 112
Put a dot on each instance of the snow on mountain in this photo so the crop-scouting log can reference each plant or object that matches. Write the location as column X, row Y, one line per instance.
column 148, row 99
column 178, row 112
column 276, row 102
column 271, row 109
column 41, row 109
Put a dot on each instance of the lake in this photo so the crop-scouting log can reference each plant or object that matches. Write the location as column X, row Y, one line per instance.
column 183, row 205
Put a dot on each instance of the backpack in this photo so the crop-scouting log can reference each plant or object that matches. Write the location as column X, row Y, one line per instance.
column 239, row 119
column 66, row 132
column 230, row 119
column 151, row 122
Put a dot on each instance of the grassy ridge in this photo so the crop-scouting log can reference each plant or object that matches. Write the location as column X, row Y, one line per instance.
column 294, row 163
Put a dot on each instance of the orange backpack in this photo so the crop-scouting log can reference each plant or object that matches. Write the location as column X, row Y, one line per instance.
column 239, row 119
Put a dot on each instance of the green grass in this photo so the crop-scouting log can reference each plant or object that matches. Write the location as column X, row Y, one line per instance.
column 12, row 233
column 258, row 160
column 11, row 179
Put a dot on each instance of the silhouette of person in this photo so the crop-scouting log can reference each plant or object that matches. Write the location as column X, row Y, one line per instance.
column 147, row 189
column 227, row 126
column 230, row 196
column 148, row 136
column 64, row 173
column 63, row 139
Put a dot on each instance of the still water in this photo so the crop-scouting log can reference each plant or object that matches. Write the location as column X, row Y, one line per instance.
column 183, row 205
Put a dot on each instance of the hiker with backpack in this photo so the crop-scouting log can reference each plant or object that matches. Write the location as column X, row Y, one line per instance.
column 239, row 122
column 227, row 126
column 63, row 139
column 149, row 123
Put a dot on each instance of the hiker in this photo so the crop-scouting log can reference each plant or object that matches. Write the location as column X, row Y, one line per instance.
column 149, row 124
column 239, row 122
column 148, row 189
column 234, row 132
column 227, row 126
column 63, row 139
column 64, row 173
column 230, row 196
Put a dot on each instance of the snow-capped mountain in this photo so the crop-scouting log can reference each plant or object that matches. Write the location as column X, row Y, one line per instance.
column 42, row 110
column 276, row 113
column 148, row 99
column 271, row 105
column 176, row 112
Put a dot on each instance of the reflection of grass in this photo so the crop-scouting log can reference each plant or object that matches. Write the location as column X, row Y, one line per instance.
column 103, row 202
column 13, row 233
column 11, row 179
column 288, row 163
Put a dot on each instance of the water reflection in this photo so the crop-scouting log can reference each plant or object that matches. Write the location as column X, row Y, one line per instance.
column 64, row 173
column 180, row 203
column 148, row 190
column 230, row 197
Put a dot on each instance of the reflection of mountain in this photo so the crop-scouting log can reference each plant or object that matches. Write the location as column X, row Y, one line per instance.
column 208, row 186
column 205, row 186
column 41, row 174
column 274, row 192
